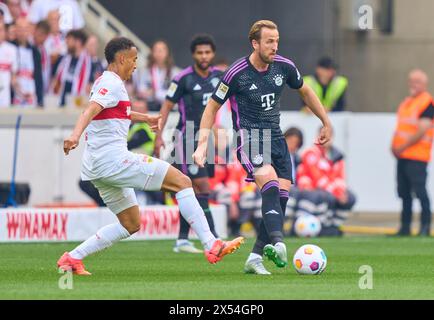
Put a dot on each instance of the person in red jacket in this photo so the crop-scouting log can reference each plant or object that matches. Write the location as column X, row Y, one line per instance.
column 321, row 178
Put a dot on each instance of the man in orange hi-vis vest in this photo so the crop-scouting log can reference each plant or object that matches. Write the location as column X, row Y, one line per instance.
column 411, row 145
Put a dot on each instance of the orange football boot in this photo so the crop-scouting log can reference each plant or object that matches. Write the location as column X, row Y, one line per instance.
column 221, row 248
column 67, row 263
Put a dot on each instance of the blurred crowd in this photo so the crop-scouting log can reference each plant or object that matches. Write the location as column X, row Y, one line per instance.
column 48, row 60
column 43, row 52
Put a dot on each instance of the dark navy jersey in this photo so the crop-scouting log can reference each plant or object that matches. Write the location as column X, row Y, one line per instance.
column 192, row 93
column 255, row 95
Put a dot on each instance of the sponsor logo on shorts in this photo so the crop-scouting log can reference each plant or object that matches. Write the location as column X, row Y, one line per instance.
column 193, row 169
column 258, row 159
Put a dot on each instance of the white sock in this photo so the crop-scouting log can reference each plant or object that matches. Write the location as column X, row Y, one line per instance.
column 193, row 213
column 254, row 256
column 181, row 241
column 280, row 244
column 104, row 238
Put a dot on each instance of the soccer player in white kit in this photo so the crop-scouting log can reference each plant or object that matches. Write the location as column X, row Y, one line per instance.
column 115, row 171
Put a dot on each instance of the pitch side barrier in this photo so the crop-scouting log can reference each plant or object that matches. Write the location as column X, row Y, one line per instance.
column 78, row 224
column 364, row 138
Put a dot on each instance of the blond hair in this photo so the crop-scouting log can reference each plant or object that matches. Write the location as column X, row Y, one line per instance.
column 255, row 30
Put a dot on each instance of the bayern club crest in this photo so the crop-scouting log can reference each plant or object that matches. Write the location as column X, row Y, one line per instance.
column 278, row 80
column 193, row 169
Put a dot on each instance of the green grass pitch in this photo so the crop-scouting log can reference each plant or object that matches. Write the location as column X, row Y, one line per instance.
column 402, row 269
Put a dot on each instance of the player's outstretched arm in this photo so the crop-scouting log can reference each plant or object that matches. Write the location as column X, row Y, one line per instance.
column 312, row 101
column 154, row 121
column 164, row 111
column 83, row 121
column 206, row 123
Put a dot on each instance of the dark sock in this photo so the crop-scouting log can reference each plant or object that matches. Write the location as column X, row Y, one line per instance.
column 203, row 199
column 184, row 228
column 261, row 240
column 284, row 196
column 272, row 211
column 234, row 226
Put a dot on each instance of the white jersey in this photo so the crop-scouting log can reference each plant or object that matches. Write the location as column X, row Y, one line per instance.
column 69, row 10
column 8, row 66
column 106, row 136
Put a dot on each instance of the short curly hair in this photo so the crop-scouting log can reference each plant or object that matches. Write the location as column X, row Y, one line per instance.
column 115, row 45
column 200, row 39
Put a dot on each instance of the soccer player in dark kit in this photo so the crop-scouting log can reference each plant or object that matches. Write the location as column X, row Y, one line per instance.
column 254, row 85
column 191, row 89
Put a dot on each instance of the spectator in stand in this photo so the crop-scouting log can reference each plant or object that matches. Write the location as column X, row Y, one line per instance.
column 70, row 13
column 15, row 9
column 40, row 36
column 73, row 72
column 5, row 15
column 29, row 89
column 226, row 187
column 25, row 7
column 321, row 180
column 11, row 33
column 98, row 66
column 156, row 78
column 56, row 43
column 294, row 141
column 328, row 86
column 8, row 68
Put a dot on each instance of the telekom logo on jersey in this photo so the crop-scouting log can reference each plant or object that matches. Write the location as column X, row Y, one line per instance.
column 268, row 101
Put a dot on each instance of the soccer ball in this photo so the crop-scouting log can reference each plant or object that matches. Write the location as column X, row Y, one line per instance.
column 307, row 225
column 310, row 259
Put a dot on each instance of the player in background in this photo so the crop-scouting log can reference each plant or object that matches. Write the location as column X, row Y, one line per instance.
column 115, row 171
column 191, row 90
column 254, row 85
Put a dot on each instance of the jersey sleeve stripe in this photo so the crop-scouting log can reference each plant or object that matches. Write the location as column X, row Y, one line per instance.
column 183, row 73
column 282, row 59
column 233, row 68
column 181, row 106
column 237, row 71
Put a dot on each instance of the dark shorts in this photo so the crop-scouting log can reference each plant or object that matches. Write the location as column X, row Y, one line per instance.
column 193, row 171
column 254, row 155
column 188, row 168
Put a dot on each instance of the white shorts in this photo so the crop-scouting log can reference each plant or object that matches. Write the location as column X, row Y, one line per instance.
column 140, row 172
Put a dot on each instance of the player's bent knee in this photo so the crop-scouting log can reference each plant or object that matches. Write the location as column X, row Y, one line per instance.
column 133, row 228
column 184, row 182
column 176, row 181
